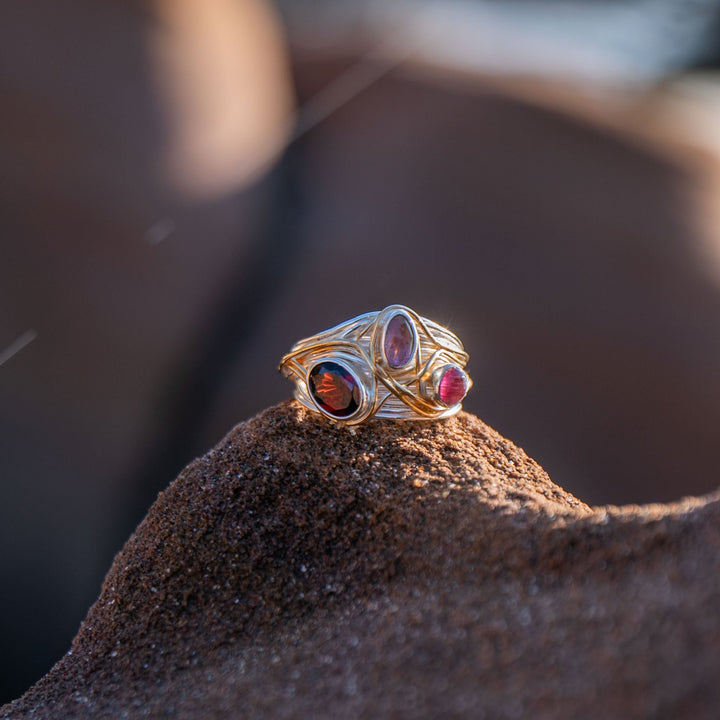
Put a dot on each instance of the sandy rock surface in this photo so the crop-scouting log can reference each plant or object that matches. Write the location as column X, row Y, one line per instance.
column 417, row 570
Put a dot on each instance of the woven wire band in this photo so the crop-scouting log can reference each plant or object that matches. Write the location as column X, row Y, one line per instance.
column 429, row 385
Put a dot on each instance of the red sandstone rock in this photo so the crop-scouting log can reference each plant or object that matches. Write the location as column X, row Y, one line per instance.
column 300, row 569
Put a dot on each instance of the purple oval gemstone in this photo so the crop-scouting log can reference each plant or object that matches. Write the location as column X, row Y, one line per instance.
column 453, row 386
column 334, row 389
column 399, row 342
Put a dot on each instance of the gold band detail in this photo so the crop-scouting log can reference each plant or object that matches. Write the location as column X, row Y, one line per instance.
column 389, row 364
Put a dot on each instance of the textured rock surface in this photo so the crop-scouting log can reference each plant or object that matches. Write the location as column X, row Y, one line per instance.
column 403, row 569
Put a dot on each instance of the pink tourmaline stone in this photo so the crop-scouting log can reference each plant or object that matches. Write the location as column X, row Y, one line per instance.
column 453, row 386
column 399, row 341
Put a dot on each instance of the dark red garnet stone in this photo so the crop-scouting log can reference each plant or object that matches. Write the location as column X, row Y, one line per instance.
column 334, row 389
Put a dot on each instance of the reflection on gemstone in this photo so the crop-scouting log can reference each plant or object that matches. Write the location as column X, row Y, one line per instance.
column 334, row 389
column 453, row 386
column 399, row 341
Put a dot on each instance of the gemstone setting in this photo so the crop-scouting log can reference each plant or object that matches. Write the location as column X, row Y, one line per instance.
column 399, row 341
column 452, row 385
column 335, row 389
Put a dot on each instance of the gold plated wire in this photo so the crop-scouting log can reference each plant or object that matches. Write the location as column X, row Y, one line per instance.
column 357, row 345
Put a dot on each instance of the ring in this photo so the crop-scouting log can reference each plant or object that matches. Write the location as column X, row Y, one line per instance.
column 389, row 364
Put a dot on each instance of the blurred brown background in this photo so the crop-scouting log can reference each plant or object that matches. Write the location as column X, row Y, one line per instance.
column 187, row 187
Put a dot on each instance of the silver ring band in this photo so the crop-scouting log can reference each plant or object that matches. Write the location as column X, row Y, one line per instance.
column 388, row 364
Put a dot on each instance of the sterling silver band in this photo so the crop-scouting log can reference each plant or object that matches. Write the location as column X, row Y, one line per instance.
column 389, row 364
